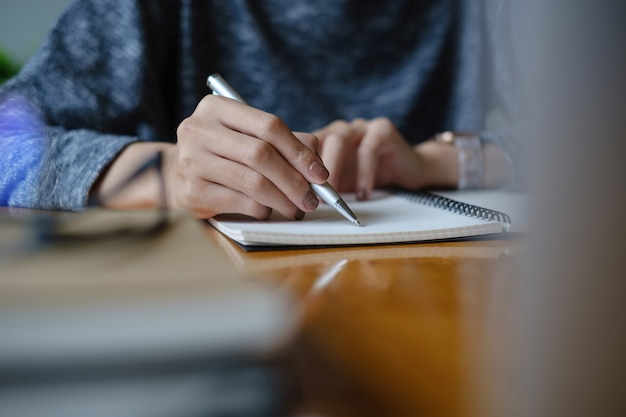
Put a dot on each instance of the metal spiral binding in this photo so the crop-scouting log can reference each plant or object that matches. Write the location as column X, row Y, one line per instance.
column 448, row 204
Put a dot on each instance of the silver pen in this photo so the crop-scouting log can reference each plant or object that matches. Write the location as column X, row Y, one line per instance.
column 220, row 87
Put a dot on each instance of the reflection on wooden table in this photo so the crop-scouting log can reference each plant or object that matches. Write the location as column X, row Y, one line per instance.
column 401, row 330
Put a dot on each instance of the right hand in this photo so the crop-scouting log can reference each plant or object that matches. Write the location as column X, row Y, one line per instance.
column 233, row 158
column 229, row 158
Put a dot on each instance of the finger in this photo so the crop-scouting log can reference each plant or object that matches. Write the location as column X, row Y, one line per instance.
column 190, row 189
column 310, row 141
column 211, row 185
column 368, row 157
column 333, row 127
column 338, row 152
column 250, row 183
column 254, row 153
column 206, row 199
column 334, row 154
column 268, row 172
column 272, row 130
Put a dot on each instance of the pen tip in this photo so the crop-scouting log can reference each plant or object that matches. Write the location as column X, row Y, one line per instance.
column 358, row 223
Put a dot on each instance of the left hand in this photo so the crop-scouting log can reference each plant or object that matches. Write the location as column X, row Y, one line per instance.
column 362, row 155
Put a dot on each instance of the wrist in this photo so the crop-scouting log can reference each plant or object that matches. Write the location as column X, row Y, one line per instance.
column 470, row 159
column 141, row 193
column 438, row 165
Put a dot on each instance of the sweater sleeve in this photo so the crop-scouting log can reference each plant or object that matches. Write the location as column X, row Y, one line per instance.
column 97, row 83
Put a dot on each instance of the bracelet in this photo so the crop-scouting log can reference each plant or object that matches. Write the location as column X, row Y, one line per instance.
column 470, row 154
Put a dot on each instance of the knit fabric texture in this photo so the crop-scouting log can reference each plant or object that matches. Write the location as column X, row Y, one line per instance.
column 112, row 72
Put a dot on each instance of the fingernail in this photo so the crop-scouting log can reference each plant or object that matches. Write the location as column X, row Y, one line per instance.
column 360, row 194
column 319, row 171
column 299, row 215
column 311, row 202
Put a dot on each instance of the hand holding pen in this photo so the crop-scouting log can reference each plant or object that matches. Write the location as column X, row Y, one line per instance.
column 233, row 158
column 220, row 87
column 228, row 158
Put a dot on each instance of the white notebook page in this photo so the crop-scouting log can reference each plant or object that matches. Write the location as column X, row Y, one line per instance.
column 386, row 219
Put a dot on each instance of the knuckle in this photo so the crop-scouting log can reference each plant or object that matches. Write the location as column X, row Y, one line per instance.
column 270, row 124
column 207, row 103
column 253, row 181
column 185, row 161
column 383, row 123
column 184, row 128
column 303, row 156
column 339, row 135
column 259, row 152
column 339, row 125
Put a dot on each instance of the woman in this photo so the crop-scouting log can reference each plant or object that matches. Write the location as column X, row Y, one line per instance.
column 370, row 82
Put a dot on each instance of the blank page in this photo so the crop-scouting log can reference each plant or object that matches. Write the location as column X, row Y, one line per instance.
column 387, row 218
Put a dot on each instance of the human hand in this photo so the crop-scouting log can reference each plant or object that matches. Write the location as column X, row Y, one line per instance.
column 362, row 155
column 233, row 158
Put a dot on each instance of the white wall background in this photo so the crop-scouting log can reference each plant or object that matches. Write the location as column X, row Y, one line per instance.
column 24, row 24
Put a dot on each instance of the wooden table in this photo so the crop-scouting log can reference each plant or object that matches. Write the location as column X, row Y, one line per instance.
column 395, row 330
column 402, row 330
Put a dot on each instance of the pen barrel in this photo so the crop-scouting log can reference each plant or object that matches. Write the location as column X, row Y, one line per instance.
column 220, row 87
column 326, row 193
column 333, row 199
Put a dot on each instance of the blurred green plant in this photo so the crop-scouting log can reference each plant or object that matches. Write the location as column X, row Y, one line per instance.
column 8, row 67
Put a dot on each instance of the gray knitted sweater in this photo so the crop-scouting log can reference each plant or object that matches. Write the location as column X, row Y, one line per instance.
column 112, row 72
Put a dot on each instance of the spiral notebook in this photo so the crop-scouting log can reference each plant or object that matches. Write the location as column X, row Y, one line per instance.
column 389, row 217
